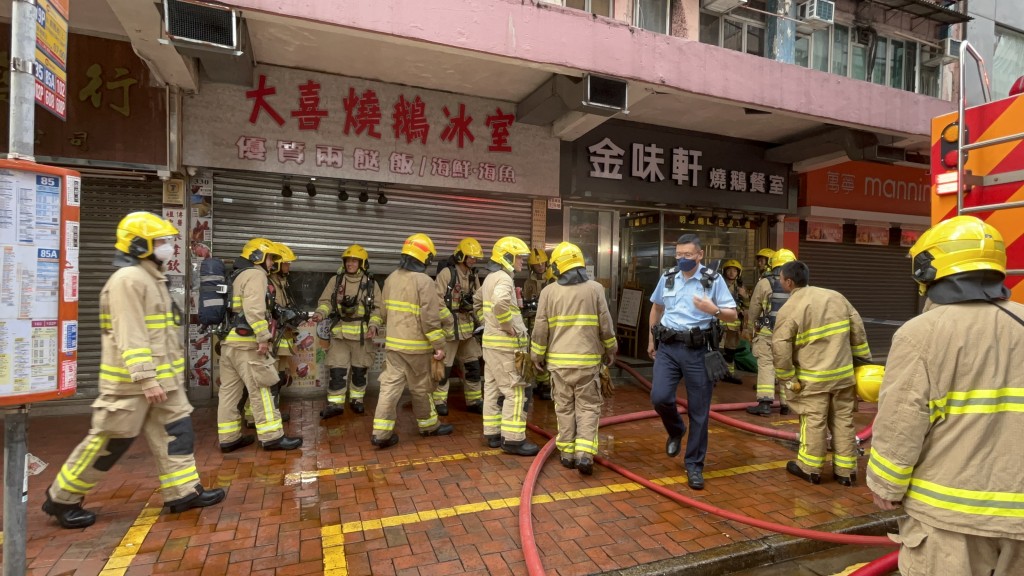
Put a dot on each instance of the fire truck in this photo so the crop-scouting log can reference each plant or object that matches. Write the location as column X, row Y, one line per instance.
column 977, row 164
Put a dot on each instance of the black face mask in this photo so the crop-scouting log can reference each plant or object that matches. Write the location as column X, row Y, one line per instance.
column 685, row 264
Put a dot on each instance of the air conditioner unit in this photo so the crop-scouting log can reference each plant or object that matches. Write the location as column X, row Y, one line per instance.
column 202, row 26
column 816, row 15
column 948, row 51
column 722, row 6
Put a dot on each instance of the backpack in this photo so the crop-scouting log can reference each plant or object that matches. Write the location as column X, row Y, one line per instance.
column 214, row 293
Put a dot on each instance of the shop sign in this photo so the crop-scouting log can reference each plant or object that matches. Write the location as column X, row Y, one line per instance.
column 869, row 187
column 618, row 160
column 831, row 232
column 311, row 124
column 113, row 112
column 51, row 56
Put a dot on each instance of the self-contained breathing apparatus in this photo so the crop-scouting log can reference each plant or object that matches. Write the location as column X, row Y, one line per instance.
column 775, row 301
column 280, row 317
column 459, row 300
column 707, row 339
column 348, row 311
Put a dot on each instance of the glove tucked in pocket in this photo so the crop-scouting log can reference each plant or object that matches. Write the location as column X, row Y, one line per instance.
column 524, row 366
column 264, row 372
column 607, row 389
column 436, row 370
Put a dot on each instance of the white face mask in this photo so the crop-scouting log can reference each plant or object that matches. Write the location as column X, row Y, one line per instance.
column 163, row 252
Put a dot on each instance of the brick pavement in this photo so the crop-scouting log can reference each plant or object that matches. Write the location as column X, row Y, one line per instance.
column 444, row 505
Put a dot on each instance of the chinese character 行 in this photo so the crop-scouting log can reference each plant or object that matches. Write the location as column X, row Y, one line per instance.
column 737, row 181
column 309, row 112
column 291, row 151
column 410, row 120
column 499, row 124
column 401, row 163
column 259, row 96
column 457, row 126
column 832, row 182
column 757, row 182
column 121, row 81
column 440, row 167
column 775, row 184
column 507, row 174
column 331, row 156
column 362, row 113
column 647, row 161
column 487, row 171
column 686, row 165
column 366, row 160
column 606, row 160
column 251, row 148
column 717, row 178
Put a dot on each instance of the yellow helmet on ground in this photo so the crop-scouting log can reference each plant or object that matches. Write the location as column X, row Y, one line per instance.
column 869, row 381
column 256, row 250
column 468, row 248
column 766, row 253
column 506, row 249
column 960, row 244
column 286, row 253
column 781, row 257
column 732, row 264
column 359, row 253
column 537, row 256
column 565, row 257
column 420, row 247
column 136, row 232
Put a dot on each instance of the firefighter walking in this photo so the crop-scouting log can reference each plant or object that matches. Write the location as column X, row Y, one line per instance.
column 351, row 302
column 540, row 276
column 141, row 381
column 759, row 322
column 246, row 361
column 732, row 271
column 505, row 338
column 572, row 337
column 414, row 335
column 456, row 284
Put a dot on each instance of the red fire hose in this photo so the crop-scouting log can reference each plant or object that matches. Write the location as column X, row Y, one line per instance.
column 880, row 566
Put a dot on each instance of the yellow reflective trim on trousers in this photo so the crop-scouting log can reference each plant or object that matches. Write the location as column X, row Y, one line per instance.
column 566, row 446
column 820, row 332
column 824, row 375
column 492, row 420
column 178, row 478
column 381, row 424
column 987, row 503
column 229, row 427
column 69, row 483
column 801, row 454
column 268, row 425
column 990, row 401
column 403, row 344
column 586, row 446
column 400, row 306
column 88, row 455
column 473, row 395
column 844, row 461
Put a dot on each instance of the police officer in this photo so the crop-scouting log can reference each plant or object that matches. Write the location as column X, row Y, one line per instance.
column 413, row 331
column 505, row 338
column 140, row 383
column 456, row 285
column 352, row 301
column 759, row 321
column 816, row 337
column 540, row 276
column 946, row 442
column 684, row 304
column 732, row 270
column 245, row 358
column 573, row 334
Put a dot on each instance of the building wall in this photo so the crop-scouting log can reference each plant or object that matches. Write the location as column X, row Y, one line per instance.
column 981, row 32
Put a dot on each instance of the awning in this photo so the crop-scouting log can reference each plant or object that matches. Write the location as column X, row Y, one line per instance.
column 927, row 9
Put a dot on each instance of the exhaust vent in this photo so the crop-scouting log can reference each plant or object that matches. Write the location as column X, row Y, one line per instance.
column 202, row 25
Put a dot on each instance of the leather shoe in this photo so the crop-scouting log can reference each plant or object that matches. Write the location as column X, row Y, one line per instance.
column 674, row 445
column 524, row 448
column 784, row 410
column 386, row 443
column 332, row 410
column 201, row 500
column 695, row 479
column 357, row 406
column 283, row 443
column 69, row 515
column 794, row 469
column 442, row 409
column 845, row 480
column 442, row 430
column 732, row 379
column 493, row 440
column 240, row 443
column 567, row 461
column 475, row 407
column 586, row 466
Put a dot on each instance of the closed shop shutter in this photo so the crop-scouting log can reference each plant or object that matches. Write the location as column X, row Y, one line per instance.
column 319, row 228
column 104, row 203
column 875, row 279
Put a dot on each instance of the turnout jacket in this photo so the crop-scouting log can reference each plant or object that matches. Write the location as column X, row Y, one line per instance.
column 496, row 300
column 533, row 285
column 574, row 327
column 141, row 333
column 411, row 313
column 282, row 298
column 950, row 418
column 351, row 283
column 465, row 282
column 817, row 334
column 249, row 299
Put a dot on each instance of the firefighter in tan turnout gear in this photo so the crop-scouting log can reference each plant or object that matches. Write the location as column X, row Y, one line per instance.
column 456, row 285
column 572, row 336
column 732, row 271
column 946, row 442
column 540, row 276
column 414, row 332
column 758, row 324
column 816, row 338
column 245, row 360
column 505, row 337
column 141, row 381
column 351, row 302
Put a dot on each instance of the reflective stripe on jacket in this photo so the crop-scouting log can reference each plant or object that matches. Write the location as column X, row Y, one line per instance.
column 466, row 283
column 410, row 313
column 504, row 328
column 249, row 302
column 573, row 327
column 352, row 329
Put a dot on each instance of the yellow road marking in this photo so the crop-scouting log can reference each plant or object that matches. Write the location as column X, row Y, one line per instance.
column 784, row 422
column 333, row 542
column 125, row 552
column 296, row 477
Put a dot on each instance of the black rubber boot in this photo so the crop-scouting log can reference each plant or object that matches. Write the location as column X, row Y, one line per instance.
column 543, row 391
column 70, row 516
column 201, row 499
column 493, row 440
column 794, row 469
column 784, row 410
column 586, row 466
column 442, row 409
column 337, row 382
column 763, row 408
column 275, row 392
column 389, row 442
column 442, row 430
column 283, row 443
column 358, row 381
column 240, row 443
column 522, row 448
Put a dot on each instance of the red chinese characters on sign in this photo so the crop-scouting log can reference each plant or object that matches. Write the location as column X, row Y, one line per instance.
column 499, row 124
column 362, row 113
column 309, row 112
column 259, row 95
column 410, row 120
column 458, row 127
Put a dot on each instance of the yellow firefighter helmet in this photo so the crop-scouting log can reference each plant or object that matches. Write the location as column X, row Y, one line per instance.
column 286, row 253
column 732, row 264
column 960, row 244
column 256, row 250
column 781, row 257
column 420, row 247
column 136, row 232
column 506, row 249
column 359, row 253
column 468, row 248
column 565, row 257
column 537, row 256
column 766, row 253
column 869, row 381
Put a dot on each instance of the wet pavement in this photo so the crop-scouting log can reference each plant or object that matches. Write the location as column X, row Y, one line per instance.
column 444, row 505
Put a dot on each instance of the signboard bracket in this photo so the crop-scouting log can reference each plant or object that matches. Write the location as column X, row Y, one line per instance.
column 23, row 65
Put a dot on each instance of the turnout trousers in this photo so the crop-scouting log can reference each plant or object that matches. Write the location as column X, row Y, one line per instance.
column 236, row 375
column 404, row 370
column 578, row 401
column 826, row 411
column 502, row 379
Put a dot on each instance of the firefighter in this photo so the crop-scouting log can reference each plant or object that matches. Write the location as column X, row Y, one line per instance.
column 456, row 284
column 572, row 336
column 950, row 412
column 540, row 276
column 759, row 321
column 141, row 381
column 351, row 300
column 411, row 315
column 732, row 270
column 245, row 357
column 505, row 341
column 817, row 334
column 763, row 259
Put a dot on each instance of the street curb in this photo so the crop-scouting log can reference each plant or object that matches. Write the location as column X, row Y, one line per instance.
column 764, row 552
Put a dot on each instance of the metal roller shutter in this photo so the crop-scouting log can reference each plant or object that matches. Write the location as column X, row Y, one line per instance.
column 319, row 228
column 104, row 203
column 875, row 279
